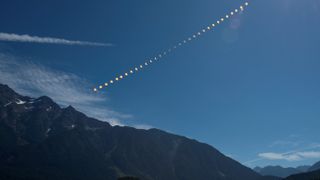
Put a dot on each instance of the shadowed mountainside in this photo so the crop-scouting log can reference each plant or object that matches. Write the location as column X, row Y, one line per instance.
column 315, row 167
column 40, row 140
column 313, row 175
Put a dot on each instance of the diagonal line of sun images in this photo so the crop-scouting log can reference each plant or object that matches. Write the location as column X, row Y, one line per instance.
column 158, row 57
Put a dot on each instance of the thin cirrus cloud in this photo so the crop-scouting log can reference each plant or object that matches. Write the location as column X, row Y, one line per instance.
column 66, row 89
column 46, row 40
column 292, row 156
column 311, row 151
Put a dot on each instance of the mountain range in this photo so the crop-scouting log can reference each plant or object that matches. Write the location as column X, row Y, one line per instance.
column 283, row 172
column 279, row 171
column 41, row 140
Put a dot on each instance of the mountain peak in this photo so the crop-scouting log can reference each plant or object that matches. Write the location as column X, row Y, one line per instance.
column 7, row 94
column 5, row 89
column 70, row 108
column 4, row 86
column 45, row 98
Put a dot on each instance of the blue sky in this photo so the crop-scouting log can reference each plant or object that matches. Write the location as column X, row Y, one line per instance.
column 250, row 88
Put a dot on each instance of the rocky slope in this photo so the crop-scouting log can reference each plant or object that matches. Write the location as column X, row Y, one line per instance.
column 40, row 140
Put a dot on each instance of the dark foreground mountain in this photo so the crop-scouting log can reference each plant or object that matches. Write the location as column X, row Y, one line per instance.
column 280, row 171
column 315, row 167
column 40, row 140
column 304, row 168
column 313, row 175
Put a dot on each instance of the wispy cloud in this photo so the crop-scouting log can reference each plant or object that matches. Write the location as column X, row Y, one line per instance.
column 33, row 79
column 280, row 156
column 310, row 151
column 46, row 40
column 291, row 156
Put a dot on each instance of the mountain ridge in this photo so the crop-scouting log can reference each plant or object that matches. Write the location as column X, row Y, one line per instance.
column 40, row 140
column 279, row 171
column 311, row 175
column 300, row 172
column 315, row 166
